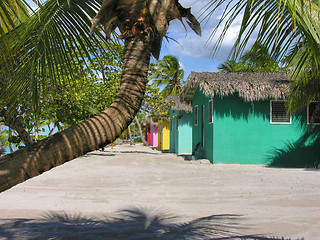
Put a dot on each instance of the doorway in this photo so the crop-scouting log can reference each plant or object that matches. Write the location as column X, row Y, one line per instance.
column 203, row 130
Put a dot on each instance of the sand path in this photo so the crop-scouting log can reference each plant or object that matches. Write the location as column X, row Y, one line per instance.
column 127, row 185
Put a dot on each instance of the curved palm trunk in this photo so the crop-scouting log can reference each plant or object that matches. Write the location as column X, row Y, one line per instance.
column 130, row 136
column 91, row 134
column 145, row 143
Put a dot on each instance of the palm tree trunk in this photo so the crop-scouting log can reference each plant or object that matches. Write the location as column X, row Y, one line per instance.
column 10, row 144
column 145, row 143
column 130, row 136
column 25, row 137
column 54, row 126
column 91, row 134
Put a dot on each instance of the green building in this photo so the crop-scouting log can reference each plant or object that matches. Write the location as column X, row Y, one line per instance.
column 241, row 118
column 181, row 121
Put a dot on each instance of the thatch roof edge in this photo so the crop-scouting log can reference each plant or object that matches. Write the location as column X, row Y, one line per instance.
column 179, row 104
column 249, row 86
column 148, row 120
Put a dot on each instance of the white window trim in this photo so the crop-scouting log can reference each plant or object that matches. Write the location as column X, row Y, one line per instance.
column 196, row 115
column 308, row 120
column 278, row 123
column 210, row 101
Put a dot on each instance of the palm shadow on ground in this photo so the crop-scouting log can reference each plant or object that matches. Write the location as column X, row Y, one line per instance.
column 99, row 154
column 132, row 152
column 132, row 223
column 302, row 153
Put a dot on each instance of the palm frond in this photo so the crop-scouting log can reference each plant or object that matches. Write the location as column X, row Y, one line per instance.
column 50, row 43
column 12, row 14
column 285, row 27
column 168, row 74
column 279, row 23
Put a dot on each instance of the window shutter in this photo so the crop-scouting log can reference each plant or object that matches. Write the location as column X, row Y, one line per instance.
column 279, row 112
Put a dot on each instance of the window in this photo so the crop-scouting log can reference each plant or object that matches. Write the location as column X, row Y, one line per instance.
column 210, row 111
column 177, row 127
column 279, row 113
column 314, row 111
column 196, row 117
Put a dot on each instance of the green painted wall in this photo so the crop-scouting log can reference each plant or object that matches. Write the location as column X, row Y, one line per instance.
column 241, row 132
column 244, row 134
column 181, row 139
column 205, row 149
column 172, row 132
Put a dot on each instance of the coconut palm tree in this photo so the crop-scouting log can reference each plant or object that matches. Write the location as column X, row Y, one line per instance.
column 142, row 25
column 169, row 74
column 282, row 26
column 257, row 59
column 232, row 65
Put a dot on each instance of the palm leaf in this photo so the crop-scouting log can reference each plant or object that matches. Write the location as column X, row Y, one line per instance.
column 50, row 43
column 168, row 74
column 279, row 22
column 12, row 13
column 282, row 25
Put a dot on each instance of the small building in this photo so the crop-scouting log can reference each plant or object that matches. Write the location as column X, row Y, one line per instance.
column 181, row 121
column 241, row 118
column 153, row 128
column 163, row 134
column 151, row 131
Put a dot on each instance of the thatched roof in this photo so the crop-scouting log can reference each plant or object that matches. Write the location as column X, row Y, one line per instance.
column 153, row 119
column 178, row 104
column 147, row 121
column 249, row 86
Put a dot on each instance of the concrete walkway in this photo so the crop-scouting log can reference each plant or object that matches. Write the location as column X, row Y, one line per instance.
column 134, row 192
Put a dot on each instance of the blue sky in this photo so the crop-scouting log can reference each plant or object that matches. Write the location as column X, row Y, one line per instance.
column 194, row 52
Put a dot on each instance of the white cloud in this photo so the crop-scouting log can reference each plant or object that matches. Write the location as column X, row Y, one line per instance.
column 191, row 45
column 181, row 65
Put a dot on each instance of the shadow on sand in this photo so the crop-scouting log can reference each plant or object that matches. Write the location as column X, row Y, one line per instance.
column 134, row 152
column 99, row 154
column 126, row 224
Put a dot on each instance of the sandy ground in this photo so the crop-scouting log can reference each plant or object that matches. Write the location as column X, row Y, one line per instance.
column 134, row 192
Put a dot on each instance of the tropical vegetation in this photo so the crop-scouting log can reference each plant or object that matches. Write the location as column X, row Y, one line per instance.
column 38, row 51
column 232, row 65
column 92, row 90
column 38, row 48
column 290, row 29
column 257, row 59
column 168, row 74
